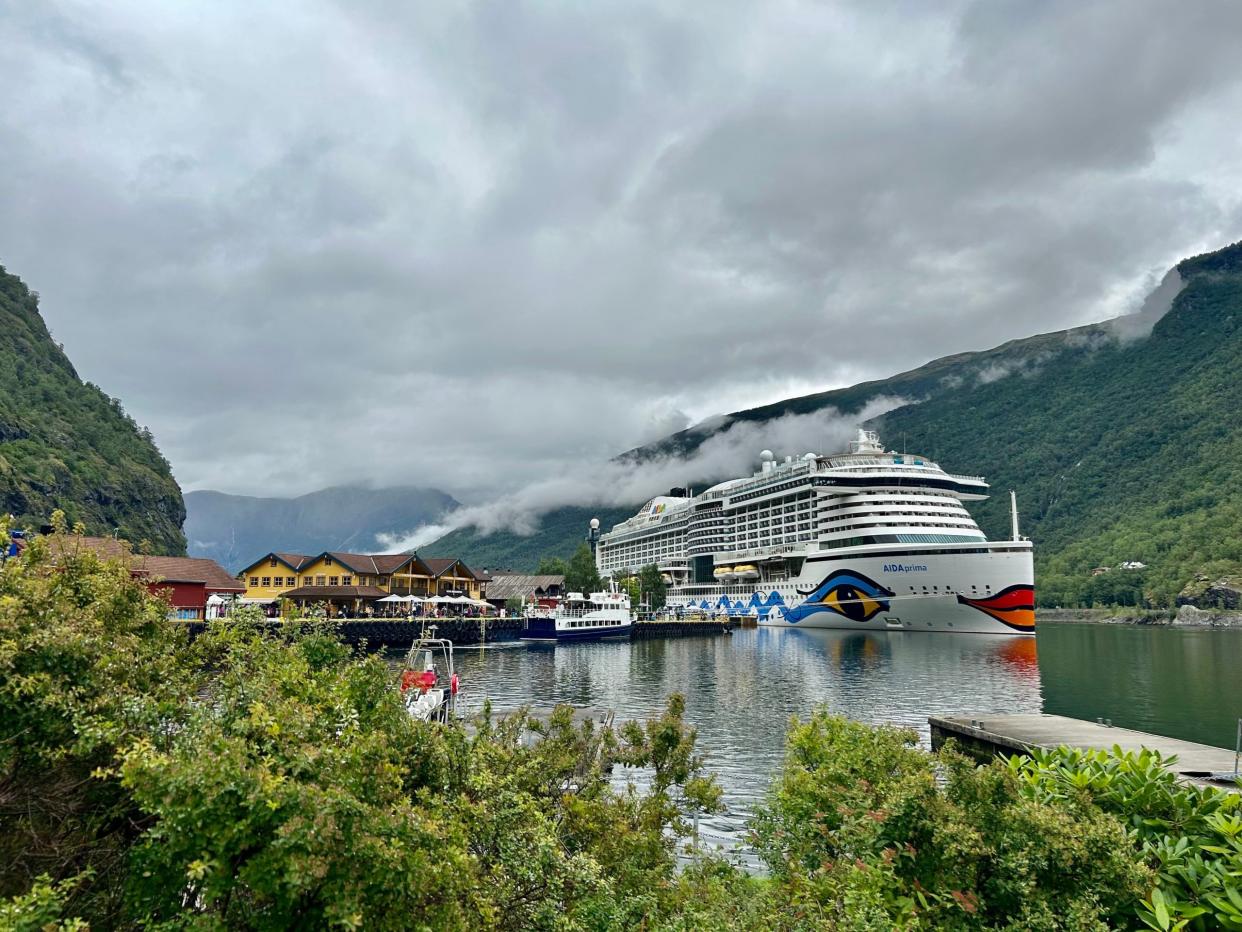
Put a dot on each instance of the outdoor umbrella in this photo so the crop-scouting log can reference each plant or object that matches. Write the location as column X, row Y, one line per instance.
column 392, row 598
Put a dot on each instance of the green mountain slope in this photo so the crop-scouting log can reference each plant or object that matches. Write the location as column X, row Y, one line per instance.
column 65, row 444
column 1121, row 447
column 1119, row 452
column 559, row 533
column 236, row 529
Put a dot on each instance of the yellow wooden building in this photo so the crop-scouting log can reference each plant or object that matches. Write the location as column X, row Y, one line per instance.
column 354, row 580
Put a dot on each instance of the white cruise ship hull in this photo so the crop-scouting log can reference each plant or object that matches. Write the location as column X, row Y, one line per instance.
column 988, row 592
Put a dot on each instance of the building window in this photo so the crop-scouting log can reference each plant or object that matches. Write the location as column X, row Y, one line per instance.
column 321, row 581
column 290, row 581
column 254, row 580
column 347, row 580
column 383, row 580
column 334, row 580
column 267, row 580
column 327, row 561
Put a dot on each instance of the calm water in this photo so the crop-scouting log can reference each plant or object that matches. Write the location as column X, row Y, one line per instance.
column 742, row 690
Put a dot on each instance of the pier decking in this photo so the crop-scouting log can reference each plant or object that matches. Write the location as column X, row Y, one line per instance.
column 985, row 735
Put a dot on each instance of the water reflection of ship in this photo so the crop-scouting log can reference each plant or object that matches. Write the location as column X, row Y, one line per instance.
column 1020, row 655
column 882, row 676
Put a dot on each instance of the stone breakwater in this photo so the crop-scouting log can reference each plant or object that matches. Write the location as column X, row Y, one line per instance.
column 379, row 634
column 1186, row 616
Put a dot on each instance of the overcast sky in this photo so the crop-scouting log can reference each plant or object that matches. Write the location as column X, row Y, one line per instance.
column 455, row 244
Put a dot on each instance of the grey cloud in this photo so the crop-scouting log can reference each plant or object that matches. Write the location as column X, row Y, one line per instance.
column 461, row 245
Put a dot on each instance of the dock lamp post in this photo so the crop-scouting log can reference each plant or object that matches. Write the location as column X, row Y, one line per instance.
column 593, row 535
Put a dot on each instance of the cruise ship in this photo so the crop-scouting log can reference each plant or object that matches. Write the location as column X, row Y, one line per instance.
column 867, row 540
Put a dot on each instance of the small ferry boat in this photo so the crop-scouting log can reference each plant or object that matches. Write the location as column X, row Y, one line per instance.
column 600, row 616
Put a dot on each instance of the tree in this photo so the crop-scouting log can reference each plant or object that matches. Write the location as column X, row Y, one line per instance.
column 654, row 589
column 88, row 663
column 630, row 586
column 581, row 575
column 260, row 780
column 551, row 566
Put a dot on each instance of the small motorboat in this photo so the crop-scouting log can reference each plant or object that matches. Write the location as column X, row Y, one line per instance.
column 428, row 679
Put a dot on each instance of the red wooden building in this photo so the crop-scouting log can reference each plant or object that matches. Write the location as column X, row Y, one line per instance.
column 187, row 582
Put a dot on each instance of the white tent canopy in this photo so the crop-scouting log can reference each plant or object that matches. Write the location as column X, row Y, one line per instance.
column 392, row 598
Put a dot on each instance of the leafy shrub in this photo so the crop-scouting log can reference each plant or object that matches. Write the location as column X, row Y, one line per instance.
column 1190, row 835
column 872, row 833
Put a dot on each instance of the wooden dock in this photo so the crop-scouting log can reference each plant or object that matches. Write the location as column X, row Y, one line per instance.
column 984, row 736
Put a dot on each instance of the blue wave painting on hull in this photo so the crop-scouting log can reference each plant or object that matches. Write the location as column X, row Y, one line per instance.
column 756, row 605
column 843, row 592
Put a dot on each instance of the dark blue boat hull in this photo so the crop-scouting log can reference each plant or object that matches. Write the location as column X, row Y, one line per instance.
column 544, row 629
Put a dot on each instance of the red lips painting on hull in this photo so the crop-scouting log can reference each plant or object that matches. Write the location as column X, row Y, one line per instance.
column 1014, row 607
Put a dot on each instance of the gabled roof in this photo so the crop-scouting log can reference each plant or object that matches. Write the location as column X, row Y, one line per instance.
column 106, row 548
column 370, row 563
column 295, row 561
column 515, row 586
column 198, row 570
column 441, row 565
column 211, row 574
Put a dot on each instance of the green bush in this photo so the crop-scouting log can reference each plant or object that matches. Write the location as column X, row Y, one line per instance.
column 257, row 782
column 253, row 781
column 869, row 830
column 1191, row 836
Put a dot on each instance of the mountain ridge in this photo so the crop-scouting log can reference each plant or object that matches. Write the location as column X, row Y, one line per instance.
column 1075, row 420
column 65, row 444
column 235, row 529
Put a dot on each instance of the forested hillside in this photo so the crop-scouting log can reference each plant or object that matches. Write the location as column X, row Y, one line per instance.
column 236, row 529
column 65, row 444
column 1122, row 447
column 559, row 533
column 1118, row 451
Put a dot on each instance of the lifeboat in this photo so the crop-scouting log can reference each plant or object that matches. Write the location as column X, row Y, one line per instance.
column 724, row 572
column 746, row 571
